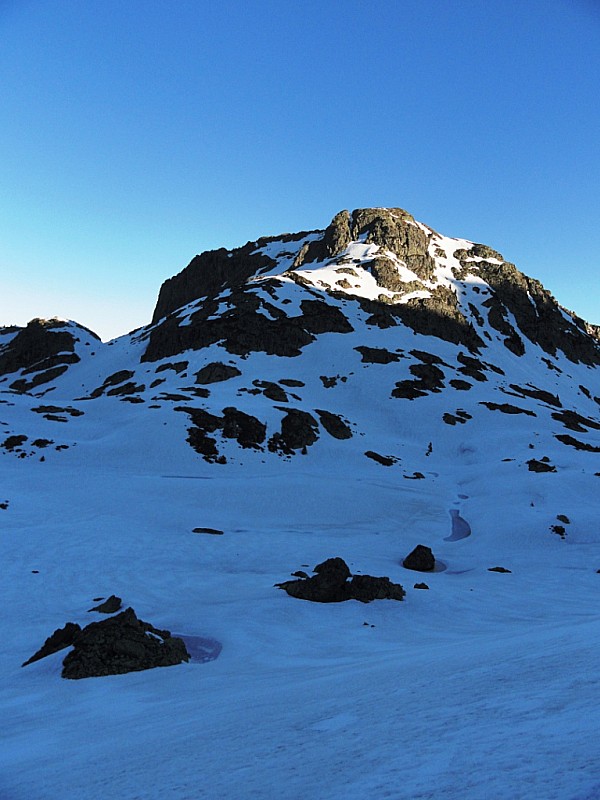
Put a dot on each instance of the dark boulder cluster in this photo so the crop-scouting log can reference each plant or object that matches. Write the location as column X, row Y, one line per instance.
column 330, row 584
column 114, row 646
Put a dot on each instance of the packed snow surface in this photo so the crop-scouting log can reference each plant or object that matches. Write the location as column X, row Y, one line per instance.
column 483, row 686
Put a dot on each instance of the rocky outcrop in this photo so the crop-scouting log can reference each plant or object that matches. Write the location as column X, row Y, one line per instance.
column 250, row 324
column 299, row 430
column 330, row 584
column 121, row 644
column 43, row 350
column 396, row 230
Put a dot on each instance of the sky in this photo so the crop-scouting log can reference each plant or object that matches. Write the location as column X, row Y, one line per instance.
column 136, row 134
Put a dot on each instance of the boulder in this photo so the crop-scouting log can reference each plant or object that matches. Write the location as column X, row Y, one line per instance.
column 121, row 644
column 421, row 559
column 331, row 585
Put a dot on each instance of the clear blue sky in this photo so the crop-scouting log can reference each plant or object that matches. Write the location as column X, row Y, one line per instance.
column 136, row 133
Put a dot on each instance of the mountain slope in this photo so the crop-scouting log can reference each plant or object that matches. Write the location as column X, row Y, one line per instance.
column 347, row 392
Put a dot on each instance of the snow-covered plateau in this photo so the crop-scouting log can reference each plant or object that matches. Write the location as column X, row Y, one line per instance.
column 351, row 393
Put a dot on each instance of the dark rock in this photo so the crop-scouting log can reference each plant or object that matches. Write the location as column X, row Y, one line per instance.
column 385, row 461
column 507, row 408
column 23, row 385
column 366, row 588
column 334, row 425
column 212, row 531
column 109, row 606
column 540, row 466
column 121, row 644
column 498, row 569
column 37, row 348
column 61, row 638
column 292, row 382
column 271, row 390
column 421, row 586
column 537, row 394
column 4, row 505
column 331, row 585
column 421, row 559
column 299, row 430
column 216, row 372
column 571, row 441
column 563, row 518
column 377, row 355
column 177, row 366
column 462, row 386
column 248, row 431
column 558, row 529
column 13, row 442
column 575, row 422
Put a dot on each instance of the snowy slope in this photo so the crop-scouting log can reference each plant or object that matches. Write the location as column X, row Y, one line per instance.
column 483, row 686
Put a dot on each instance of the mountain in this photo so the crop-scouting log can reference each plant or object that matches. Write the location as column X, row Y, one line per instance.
column 348, row 392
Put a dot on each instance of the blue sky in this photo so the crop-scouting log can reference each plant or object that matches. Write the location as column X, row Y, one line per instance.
column 134, row 134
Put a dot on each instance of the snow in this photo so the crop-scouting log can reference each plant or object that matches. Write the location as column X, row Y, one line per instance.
column 483, row 686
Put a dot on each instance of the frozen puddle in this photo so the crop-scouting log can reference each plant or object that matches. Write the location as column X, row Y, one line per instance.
column 200, row 648
column 460, row 527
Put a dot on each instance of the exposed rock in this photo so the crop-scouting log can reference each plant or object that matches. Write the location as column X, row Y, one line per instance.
column 177, row 367
column 334, row 425
column 243, row 328
column 571, row 441
column 534, row 465
column 575, row 422
column 272, row 391
column 211, row 531
column 24, row 385
column 537, row 394
column 421, row 586
column 299, row 430
column 14, row 442
column 121, row 644
column 61, row 638
column 331, row 585
column 498, row 569
column 248, row 431
column 38, row 347
column 394, row 229
column 507, row 408
column 421, row 559
column 216, row 372
column 113, row 380
column 385, row 461
column 109, row 606
column 377, row 355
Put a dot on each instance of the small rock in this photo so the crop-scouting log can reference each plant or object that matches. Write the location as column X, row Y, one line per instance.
column 421, row 586
column 212, row 531
column 563, row 518
column 421, row 559
column 108, row 606
column 498, row 569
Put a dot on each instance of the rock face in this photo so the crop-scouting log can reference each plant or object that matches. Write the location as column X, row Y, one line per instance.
column 331, row 585
column 121, row 644
column 421, row 559
column 43, row 350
